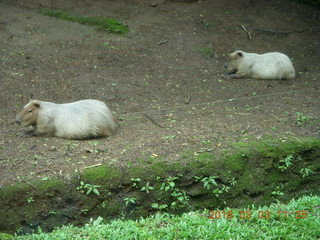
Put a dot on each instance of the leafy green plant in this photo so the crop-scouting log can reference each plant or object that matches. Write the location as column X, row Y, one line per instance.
column 106, row 24
column 159, row 206
column 233, row 182
column 306, row 172
column 84, row 211
column 129, row 200
column 147, row 188
column 209, row 182
column 30, row 200
column 135, row 182
column 286, row 163
column 169, row 184
column 277, row 193
column 181, row 199
column 302, row 119
column 88, row 188
column 217, row 192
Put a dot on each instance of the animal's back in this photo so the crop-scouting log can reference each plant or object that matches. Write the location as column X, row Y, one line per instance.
column 273, row 65
column 83, row 119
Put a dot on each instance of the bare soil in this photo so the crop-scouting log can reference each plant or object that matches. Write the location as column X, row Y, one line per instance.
column 162, row 81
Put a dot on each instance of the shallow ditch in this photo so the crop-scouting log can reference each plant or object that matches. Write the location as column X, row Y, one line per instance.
column 244, row 174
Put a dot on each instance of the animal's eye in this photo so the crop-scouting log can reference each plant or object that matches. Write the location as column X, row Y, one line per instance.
column 30, row 110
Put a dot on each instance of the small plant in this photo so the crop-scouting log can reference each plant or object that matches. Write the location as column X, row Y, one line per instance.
column 277, row 193
column 181, row 199
column 287, row 162
column 94, row 145
column 225, row 188
column 88, row 188
column 135, row 182
column 302, row 119
column 130, row 200
column 169, row 184
column 217, row 192
column 95, row 223
column 306, row 172
column 30, row 200
column 206, row 52
column 159, row 206
column 71, row 145
column 147, row 188
column 233, row 182
column 209, row 182
column 104, row 204
column 84, row 211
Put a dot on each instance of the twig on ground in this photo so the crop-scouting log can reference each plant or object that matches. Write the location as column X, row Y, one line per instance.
column 30, row 184
column 188, row 99
column 271, row 31
column 91, row 166
column 153, row 121
column 249, row 34
column 162, row 42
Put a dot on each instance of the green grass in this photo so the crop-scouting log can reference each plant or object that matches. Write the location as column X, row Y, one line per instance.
column 195, row 225
column 107, row 24
column 206, row 52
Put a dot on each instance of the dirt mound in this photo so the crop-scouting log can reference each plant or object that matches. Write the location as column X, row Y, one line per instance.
column 162, row 80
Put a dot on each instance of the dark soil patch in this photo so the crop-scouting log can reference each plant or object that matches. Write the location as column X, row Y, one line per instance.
column 160, row 70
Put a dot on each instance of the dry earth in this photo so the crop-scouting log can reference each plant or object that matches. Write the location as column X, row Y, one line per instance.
column 162, row 81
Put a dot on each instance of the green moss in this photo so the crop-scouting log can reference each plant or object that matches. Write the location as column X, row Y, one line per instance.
column 49, row 185
column 106, row 24
column 14, row 190
column 108, row 175
column 234, row 163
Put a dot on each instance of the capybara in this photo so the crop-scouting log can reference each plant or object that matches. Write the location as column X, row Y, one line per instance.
column 273, row 65
column 76, row 120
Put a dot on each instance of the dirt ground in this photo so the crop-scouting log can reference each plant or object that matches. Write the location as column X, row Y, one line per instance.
column 162, row 81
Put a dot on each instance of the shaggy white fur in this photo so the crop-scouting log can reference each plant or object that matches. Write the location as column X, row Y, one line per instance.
column 76, row 120
column 273, row 65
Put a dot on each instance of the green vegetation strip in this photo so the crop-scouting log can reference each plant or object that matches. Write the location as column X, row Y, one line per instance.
column 299, row 219
column 106, row 24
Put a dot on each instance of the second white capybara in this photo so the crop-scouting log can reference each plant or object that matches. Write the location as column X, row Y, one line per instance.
column 76, row 120
column 272, row 65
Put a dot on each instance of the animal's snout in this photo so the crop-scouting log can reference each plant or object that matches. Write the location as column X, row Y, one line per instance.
column 18, row 121
column 225, row 65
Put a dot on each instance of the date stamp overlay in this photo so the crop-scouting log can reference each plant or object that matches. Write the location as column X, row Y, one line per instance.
column 250, row 214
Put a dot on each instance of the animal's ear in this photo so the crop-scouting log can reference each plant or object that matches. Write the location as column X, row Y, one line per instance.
column 37, row 105
column 239, row 54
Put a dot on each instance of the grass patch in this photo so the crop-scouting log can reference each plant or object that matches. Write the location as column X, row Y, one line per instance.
column 206, row 52
column 299, row 219
column 107, row 24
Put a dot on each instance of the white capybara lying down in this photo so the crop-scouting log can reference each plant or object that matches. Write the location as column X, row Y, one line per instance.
column 76, row 120
column 273, row 65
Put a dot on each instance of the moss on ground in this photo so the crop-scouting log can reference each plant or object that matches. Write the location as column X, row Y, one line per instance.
column 107, row 24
